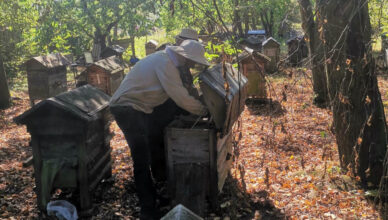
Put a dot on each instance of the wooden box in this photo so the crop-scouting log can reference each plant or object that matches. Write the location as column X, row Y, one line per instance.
column 114, row 50
column 70, row 140
column 151, row 46
column 297, row 50
column 105, row 74
column 252, row 64
column 199, row 152
column 271, row 48
column 46, row 76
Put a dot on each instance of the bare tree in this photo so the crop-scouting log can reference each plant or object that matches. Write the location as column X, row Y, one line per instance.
column 4, row 90
column 315, row 46
column 358, row 114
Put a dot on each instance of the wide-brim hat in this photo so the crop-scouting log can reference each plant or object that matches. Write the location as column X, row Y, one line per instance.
column 187, row 33
column 192, row 50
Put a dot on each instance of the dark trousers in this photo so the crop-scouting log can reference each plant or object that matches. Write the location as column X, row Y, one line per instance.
column 144, row 135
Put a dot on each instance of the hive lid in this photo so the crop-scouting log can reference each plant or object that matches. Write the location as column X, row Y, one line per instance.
column 271, row 40
column 52, row 60
column 116, row 48
column 87, row 99
column 153, row 42
column 83, row 102
column 248, row 53
column 111, row 64
column 224, row 95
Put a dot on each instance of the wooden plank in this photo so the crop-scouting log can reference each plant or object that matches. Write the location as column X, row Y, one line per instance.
column 170, row 163
column 225, row 149
column 53, row 146
column 54, row 122
column 223, row 174
column 116, row 81
column 221, row 140
column 191, row 181
column 38, row 84
column 224, row 158
column 197, row 151
column 213, row 170
column 57, row 82
column 41, row 199
column 85, row 198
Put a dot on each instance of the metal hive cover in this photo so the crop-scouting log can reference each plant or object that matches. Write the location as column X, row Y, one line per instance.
column 225, row 105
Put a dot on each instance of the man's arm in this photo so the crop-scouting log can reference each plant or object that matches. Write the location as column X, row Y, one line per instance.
column 171, row 82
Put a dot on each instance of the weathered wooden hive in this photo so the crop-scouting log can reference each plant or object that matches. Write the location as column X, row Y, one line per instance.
column 70, row 141
column 271, row 48
column 105, row 74
column 46, row 76
column 252, row 64
column 124, row 42
column 297, row 50
column 151, row 46
column 114, row 50
column 163, row 46
column 199, row 152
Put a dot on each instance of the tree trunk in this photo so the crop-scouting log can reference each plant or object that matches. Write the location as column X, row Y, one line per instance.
column 237, row 26
column 321, row 97
column 5, row 98
column 115, row 32
column 133, row 46
column 254, row 22
column 266, row 16
column 246, row 21
column 358, row 113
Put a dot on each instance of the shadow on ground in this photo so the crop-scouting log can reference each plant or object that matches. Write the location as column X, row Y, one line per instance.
column 236, row 203
column 264, row 107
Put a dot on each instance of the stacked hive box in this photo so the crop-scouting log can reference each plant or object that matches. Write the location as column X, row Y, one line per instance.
column 105, row 74
column 199, row 152
column 151, row 46
column 271, row 48
column 70, row 142
column 46, row 76
column 252, row 64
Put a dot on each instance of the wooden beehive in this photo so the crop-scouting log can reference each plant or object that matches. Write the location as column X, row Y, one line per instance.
column 46, row 76
column 105, row 74
column 271, row 48
column 114, row 50
column 70, row 140
column 151, row 46
column 163, row 46
column 199, row 152
column 252, row 64
column 124, row 43
column 297, row 50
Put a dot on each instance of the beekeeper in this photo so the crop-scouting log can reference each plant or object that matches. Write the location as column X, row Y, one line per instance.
column 186, row 34
column 148, row 99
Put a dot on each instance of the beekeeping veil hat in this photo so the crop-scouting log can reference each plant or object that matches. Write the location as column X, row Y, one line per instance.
column 187, row 33
column 192, row 50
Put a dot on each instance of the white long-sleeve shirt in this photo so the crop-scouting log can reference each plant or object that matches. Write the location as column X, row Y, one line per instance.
column 151, row 82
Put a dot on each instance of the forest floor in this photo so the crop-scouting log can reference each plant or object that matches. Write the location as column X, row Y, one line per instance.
column 287, row 166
